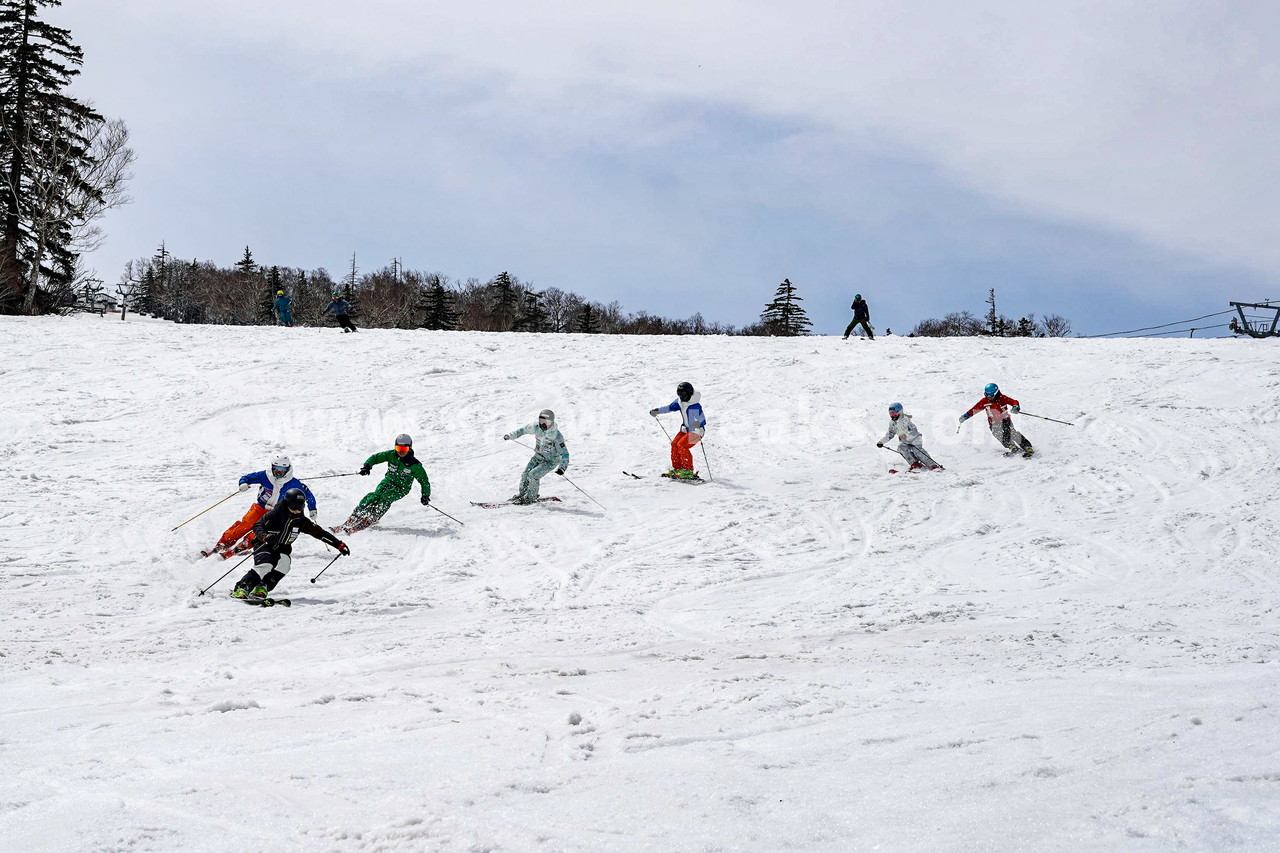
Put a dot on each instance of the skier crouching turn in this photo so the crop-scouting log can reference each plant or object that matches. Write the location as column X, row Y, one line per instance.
column 910, row 441
column 273, row 545
column 1000, row 410
column 693, row 427
column 402, row 469
column 549, row 453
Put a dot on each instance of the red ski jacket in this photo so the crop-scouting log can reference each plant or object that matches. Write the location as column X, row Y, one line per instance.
column 997, row 409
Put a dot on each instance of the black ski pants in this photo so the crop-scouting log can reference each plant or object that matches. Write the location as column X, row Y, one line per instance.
column 1008, row 436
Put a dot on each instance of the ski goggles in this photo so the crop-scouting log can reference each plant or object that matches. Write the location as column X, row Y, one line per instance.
column 278, row 472
column 403, row 448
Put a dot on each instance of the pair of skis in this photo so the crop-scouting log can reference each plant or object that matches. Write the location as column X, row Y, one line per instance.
column 495, row 504
column 263, row 601
column 694, row 479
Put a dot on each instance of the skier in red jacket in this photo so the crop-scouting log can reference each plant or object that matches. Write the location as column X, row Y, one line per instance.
column 1000, row 409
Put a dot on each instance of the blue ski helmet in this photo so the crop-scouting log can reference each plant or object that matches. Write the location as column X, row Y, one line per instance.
column 991, row 391
column 895, row 409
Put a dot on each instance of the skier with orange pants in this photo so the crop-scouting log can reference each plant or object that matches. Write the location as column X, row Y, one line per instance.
column 272, row 482
column 693, row 427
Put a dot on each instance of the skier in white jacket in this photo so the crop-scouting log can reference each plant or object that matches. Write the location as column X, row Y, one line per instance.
column 910, row 441
column 550, row 453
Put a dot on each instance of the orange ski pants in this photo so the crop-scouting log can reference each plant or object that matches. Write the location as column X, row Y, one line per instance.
column 232, row 534
column 682, row 450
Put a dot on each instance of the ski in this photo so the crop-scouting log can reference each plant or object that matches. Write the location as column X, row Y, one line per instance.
column 264, row 602
column 694, row 479
column 495, row 504
column 634, row 476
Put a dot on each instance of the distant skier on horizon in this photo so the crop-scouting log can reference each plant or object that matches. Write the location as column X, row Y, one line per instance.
column 1000, row 410
column 549, row 453
column 910, row 441
column 693, row 427
column 402, row 469
column 283, row 307
column 341, row 308
column 861, row 317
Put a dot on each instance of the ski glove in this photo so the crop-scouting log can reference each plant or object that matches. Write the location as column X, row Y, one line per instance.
column 426, row 499
column 365, row 469
column 315, row 513
column 964, row 417
column 653, row 413
column 343, row 549
column 560, row 471
column 879, row 444
column 244, row 487
column 506, row 437
column 1015, row 409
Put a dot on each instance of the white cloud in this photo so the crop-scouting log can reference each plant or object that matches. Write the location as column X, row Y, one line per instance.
column 1159, row 120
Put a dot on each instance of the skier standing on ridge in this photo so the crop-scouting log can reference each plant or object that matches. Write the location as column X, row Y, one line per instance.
column 693, row 427
column 402, row 469
column 910, row 442
column 284, row 309
column 861, row 317
column 1000, row 409
column 550, row 453
column 273, row 545
column 272, row 482
column 340, row 308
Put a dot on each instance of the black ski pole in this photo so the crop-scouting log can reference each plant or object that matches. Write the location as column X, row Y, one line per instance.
column 706, row 459
column 224, row 574
column 579, row 488
column 445, row 514
column 661, row 427
column 1043, row 418
column 326, row 568
column 331, row 476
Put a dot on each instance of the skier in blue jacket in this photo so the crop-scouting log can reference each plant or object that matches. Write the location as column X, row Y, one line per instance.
column 341, row 308
column 693, row 426
column 284, row 309
column 272, row 483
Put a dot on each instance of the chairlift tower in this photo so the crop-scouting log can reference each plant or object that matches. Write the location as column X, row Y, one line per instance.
column 1255, row 328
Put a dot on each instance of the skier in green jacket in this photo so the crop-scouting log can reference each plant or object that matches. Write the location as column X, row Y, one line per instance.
column 402, row 469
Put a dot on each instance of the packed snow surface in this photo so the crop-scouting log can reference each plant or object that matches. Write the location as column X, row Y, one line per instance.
column 1073, row 652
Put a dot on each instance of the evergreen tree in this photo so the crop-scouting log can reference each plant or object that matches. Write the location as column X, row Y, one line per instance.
column 533, row 316
column 274, row 284
column 505, row 301
column 784, row 316
column 349, row 289
column 437, row 308
column 44, row 156
column 587, row 323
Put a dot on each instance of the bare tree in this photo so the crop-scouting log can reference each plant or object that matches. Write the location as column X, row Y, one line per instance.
column 1055, row 326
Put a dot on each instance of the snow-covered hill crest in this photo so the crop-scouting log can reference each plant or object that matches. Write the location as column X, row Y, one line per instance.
column 1073, row 652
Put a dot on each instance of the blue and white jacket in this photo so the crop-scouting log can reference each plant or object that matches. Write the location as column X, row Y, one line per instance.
column 271, row 488
column 692, row 419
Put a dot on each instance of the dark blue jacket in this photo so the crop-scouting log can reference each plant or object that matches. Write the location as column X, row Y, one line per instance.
column 339, row 307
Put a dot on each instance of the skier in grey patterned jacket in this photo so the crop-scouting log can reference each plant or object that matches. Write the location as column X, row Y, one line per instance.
column 910, row 441
column 549, row 453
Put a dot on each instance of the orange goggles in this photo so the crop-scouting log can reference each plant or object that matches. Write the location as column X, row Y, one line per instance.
column 403, row 448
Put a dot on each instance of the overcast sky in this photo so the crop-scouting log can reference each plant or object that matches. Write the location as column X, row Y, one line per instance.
column 1111, row 161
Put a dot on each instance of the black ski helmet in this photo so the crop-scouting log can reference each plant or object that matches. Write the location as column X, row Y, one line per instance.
column 684, row 391
column 295, row 500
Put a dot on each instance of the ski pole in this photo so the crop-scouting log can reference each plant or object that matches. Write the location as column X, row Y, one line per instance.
column 579, row 488
column 445, row 514
column 327, row 565
column 1043, row 418
column 706, row 459
column 202, row 512
column 331, row 476
column 661, row 427
column 224, row 574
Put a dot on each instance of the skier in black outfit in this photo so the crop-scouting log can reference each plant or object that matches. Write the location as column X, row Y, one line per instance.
column 861, row 316
column 273, row 545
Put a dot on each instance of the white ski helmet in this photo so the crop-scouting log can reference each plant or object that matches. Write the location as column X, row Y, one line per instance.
column 281, row 466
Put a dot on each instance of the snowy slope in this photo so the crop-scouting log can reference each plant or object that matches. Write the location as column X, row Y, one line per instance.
column 1075, row 652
